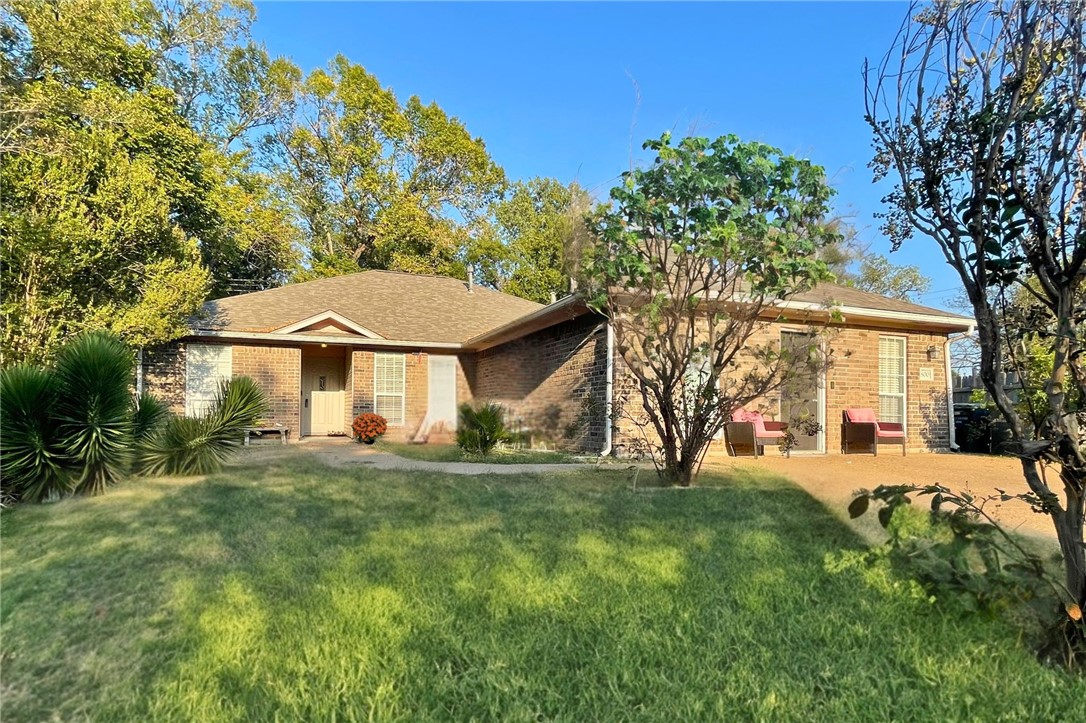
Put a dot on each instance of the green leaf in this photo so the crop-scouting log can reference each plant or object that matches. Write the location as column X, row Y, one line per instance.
column 858, row 506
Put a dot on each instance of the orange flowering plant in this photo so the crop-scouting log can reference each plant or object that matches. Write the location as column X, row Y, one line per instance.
column 367, row 427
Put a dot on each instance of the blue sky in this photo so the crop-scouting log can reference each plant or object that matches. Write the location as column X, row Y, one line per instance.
column 550, row 87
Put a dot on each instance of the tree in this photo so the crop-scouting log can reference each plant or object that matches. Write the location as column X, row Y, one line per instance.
column 877, row 275
column 521, row 251
column 377, row 183
column 117, row 212
column 979, row 115
column 687, row 263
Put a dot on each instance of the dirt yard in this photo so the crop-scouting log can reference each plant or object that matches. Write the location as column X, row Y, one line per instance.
column 833, row 479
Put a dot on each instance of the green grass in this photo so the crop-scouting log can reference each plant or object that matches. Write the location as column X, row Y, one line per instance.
column 285, row 590
column 452, row 453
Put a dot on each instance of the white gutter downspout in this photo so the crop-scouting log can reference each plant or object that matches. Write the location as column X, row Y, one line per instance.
column 951, row 434
column 609, row 392
column 139, row 372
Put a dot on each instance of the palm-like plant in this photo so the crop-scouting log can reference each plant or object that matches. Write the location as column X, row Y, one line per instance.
column 481, row 428
column 93, row 405
column 32, row 457
column 149, row 413
column 188, row 446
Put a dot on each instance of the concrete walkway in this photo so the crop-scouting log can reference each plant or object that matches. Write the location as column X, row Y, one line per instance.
column 340, row 452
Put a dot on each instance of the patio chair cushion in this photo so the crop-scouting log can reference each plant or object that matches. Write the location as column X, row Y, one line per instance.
column 861, row 414
column 890, row 433
column 755, row 418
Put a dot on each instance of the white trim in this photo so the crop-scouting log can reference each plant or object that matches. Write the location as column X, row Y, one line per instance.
column 904, row 379
column 330, row 339
column 820, row 402
column 403, row 391
column 882, row 314
column 609, row 393
column 328, row 315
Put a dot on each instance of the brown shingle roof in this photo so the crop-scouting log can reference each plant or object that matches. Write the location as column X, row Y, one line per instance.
column 837, row 295
column 397, row 306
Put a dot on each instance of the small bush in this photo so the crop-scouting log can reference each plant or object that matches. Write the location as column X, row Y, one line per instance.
column 149, row 413
column 189, row 446
column 32, row 458
column 481, row 428
column 94, row 408
column 367, row 427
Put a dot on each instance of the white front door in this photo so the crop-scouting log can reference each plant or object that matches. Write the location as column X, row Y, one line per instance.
column 322, row 396
column 442, row 407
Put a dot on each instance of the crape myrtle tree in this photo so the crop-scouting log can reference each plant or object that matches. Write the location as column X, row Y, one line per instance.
column 689, row 263
column 979, row 117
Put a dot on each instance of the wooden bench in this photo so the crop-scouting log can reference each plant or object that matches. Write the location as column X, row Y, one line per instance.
column 283, row 432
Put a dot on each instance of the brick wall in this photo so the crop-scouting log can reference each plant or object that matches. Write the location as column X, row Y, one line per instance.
column 553, row 381
column 851, row 381
column 416, row 391
column 278, row 370
column 164, row 374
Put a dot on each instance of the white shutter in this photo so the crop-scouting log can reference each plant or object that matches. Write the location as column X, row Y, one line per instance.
column 206, row 367
column 892, row 379
column 388, row 387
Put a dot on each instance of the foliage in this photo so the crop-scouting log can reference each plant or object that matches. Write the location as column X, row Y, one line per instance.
column 506, row 454
column 149, row 413
column 118, row 212
column 687, row 263
column 192, row 446
column 368, row 426
column 977, row 112
column 965, row 555
column 378, row 183
column 32, row 457
column 877, row 275
column 522, row 251
column 481, row 428
column 93, row 408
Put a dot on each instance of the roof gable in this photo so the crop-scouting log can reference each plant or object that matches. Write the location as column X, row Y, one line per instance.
column 327, row 322
column 386, row 304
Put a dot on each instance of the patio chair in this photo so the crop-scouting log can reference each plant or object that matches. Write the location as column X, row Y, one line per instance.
column 861, row 431
column 751, row 429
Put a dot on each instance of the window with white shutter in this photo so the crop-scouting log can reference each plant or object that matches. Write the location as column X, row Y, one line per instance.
column 206, row 367
column 388, row 387
column 892, row 379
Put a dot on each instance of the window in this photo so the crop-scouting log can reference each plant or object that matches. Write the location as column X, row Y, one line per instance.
column 206, row 367
column 388, row 387
column 892, row 379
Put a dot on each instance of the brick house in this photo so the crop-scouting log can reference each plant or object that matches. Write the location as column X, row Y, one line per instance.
column 413, row 348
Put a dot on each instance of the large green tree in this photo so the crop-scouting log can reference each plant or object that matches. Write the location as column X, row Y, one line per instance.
column 521, row 248
column 118, row 211
column 688, row 263
column 378, row 183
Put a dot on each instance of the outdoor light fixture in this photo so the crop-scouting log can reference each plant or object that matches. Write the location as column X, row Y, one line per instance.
column 324, row 346
column 933, row 352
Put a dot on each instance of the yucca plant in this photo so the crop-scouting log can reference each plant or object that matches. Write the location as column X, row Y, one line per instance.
column 93, row 408
column 189, row 446
column 149, row 413
column 481, row 428
column 32, row 458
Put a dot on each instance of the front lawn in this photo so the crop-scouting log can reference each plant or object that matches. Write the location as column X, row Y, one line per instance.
column 285, row 590
column 452, row 453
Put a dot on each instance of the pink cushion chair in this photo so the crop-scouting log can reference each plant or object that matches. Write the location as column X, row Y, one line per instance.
column 750, row 429
column 861, row 429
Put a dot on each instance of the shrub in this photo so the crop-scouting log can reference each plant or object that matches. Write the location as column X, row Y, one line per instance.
column 32, row 457
column 93, row 408
column 148, row 415
column 481, row 428
column 188, row 446
column 368, row 426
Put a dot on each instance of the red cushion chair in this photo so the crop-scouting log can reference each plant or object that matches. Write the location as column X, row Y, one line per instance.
column 862, row 431
column 751, row 429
